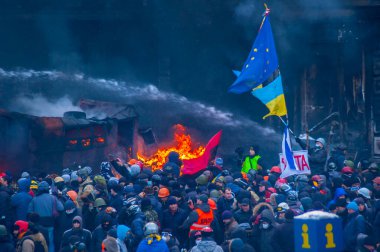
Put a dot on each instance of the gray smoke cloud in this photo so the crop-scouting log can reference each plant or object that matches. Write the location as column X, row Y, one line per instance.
column 39, row 105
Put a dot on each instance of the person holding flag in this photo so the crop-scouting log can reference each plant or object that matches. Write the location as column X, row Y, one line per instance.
column 261, row 76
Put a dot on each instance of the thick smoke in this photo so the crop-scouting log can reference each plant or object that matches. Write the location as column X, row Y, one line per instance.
column 39, row 105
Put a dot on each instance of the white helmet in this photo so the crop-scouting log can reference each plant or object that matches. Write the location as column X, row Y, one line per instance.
column 321, row 140
column 364, row 192
column 150, row 228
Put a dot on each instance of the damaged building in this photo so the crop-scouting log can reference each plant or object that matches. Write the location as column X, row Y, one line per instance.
column 36, row 144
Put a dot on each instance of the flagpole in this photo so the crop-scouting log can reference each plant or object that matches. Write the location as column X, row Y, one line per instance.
column 287, row 125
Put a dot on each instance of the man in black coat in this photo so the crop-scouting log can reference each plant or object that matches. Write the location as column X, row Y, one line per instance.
column 65, row 221
column 244, row 213
column 283, row 237
column 5, row 201
column 78, row 231
column 116, row 198
column 173, row 217
column 317, row 155
column 100, row 233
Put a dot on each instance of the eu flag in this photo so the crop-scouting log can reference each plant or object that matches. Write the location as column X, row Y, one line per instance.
column 261, row 62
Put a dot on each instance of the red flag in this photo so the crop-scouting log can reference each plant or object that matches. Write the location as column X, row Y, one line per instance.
column 192, row 166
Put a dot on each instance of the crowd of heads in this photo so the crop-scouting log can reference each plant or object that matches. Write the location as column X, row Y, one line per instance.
column 126, row 206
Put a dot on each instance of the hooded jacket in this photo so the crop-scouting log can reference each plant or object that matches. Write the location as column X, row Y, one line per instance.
column 100, row 233
column 207, row 246
column 84, row 234
column 121, row 232
column 20, row 201
column 43, row 204
column 338, row 193
column 265, row 241
column 64, row 221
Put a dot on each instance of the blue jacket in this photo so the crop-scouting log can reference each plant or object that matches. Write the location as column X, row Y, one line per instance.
column 43, row 204
column 155, row 246
column 20, row 201
column 355, row 225
column 338, row 192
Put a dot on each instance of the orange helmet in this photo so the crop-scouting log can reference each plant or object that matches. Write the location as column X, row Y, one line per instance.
column 163, row 192
column 275, row 169
column 73, row 195
column 212, row 204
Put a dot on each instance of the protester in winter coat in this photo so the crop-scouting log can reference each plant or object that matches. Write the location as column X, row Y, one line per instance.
column 339, row 193
column 77, row 230
column 152, row 242
column 317, row 155
column 20, row 201
column 283, row 236
column 132, row 217
column 171, row 241
column 121, row 232
column 207, row 244
column 5, row 199
column 201, row 217
column 110, row 245
column 173, row 217
column 27, row 239
column 47, row 206
column 64, row 221
column 174, row 163
column 366, row 212
column 265, row 231
column 252, row 162
column 355, row 225
column 244, row 213
column 230, row 225
column 116, row 198
column 6, row 244
column 34, row 219
column 227, row 202
column 100, row 233
column 86, row 185
column 33, row 240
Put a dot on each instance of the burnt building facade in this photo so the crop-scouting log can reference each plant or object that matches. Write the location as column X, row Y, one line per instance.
column 35, row 144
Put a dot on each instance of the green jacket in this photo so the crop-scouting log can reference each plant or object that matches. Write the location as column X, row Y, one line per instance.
column 250, row 163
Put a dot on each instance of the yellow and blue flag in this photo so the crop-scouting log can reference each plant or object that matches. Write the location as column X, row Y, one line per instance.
column 272, row 95
column 261, row 63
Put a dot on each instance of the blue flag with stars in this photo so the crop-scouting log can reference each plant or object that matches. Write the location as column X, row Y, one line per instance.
column 261, row 62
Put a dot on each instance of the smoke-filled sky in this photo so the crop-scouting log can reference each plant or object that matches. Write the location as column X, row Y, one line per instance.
column 172, row 59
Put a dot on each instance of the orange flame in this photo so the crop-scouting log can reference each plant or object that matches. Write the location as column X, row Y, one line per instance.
column 182, row 145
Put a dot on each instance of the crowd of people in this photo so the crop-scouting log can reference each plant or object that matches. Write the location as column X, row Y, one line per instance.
column 124, row 206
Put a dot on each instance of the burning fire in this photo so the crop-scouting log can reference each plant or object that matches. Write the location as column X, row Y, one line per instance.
column 182, row 145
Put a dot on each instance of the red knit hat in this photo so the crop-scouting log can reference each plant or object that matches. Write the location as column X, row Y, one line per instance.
column 22, row 226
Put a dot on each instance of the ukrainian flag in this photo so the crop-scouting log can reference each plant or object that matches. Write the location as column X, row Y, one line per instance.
column 272, row 95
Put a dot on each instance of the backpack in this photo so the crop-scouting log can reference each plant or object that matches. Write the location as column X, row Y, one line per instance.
column 38, row 247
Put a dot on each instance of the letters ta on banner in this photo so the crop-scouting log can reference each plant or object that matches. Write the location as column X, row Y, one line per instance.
column 302, row 162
